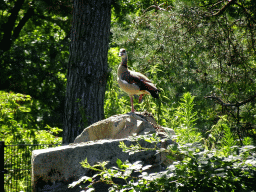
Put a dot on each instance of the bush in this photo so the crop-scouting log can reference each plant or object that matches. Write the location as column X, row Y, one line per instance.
column 198, row 170
column 20, row 121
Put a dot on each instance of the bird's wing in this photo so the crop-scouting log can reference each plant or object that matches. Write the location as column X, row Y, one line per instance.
column 138, row 79
column 130, row 78
column 139, row 75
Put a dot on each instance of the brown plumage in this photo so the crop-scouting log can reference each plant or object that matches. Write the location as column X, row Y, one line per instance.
column 134, row 83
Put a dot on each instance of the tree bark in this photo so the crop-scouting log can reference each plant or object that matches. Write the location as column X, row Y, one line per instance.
column 87, row 68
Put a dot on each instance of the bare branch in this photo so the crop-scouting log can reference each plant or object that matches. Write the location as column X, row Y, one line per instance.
column 219, row 100
column 238, row 104
column 219, row 2
column 223, row 9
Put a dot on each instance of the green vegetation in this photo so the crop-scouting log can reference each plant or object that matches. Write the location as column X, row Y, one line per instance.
column 182, row 49
column 19, row 126
column 205, row 65
column 226, row 167
column 201, row 54
column 184, row 121
column 200, row 170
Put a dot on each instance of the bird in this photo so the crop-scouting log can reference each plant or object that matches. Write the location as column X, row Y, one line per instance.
column 134, row 83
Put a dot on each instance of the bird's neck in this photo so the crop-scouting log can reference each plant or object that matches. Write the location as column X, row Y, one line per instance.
column 122, row 67
column 124, row 61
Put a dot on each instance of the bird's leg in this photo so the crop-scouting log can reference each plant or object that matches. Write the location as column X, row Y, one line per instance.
column 140, row 99
column 131, row 99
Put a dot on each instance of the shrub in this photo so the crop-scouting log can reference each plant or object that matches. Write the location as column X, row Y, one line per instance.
column 199, row 170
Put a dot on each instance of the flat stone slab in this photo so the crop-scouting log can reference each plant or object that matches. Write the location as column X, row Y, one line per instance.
column 54, row 169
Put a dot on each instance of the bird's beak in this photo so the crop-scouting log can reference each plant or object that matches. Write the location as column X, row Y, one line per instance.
column 120, row 54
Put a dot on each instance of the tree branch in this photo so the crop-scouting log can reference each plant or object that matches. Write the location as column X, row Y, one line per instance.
column 238, row 104
column 219, row 100
column 213, row 5
column 22, row 22
column 5, row 43
column 223, row 9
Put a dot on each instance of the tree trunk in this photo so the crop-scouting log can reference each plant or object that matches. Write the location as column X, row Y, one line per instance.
column 87, row 68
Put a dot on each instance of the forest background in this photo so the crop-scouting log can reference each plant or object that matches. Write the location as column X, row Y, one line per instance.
column 201, row 54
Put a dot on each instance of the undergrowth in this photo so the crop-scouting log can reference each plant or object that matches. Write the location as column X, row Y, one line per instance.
column 198, row 170
column 20, row 117
column 216, row 163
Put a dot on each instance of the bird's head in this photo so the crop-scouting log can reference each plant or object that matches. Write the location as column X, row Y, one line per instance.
column 122, row 53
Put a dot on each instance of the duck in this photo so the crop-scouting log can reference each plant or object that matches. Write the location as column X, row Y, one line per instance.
column 132, row 82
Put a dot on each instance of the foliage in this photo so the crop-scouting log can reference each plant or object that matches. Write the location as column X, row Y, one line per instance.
column 199, row 170
column 201, row 47
column 183, row 49
column 184, row 121
column 225, row 167
column 18, row 124
column 177, row 44
column 184, row 112
column 222, row 139
column 34, row 51
column 221, row 134
column 122, row 8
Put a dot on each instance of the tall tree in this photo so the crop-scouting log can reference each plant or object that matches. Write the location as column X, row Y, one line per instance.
column 87, row 68
column 34, row 43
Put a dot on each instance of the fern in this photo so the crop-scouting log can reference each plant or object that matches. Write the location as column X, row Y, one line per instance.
column 185, row 121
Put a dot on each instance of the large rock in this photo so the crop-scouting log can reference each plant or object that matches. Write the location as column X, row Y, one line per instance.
column 55, row 168
column 118, row 126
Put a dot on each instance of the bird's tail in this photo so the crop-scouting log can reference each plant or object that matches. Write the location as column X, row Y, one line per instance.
column 152, row 90
column 154, row 93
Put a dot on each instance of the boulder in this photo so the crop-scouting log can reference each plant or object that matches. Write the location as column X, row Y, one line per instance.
column 54, row 169
column 119, row 126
